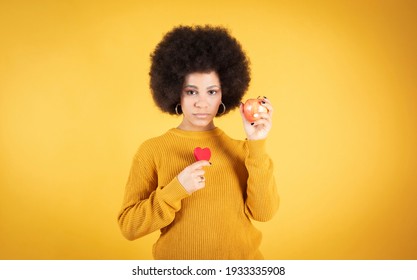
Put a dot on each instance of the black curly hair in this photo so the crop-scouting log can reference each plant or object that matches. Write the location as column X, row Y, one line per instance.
column 189, row 49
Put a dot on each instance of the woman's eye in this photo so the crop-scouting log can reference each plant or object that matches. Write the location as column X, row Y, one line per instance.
column 191, row 92
column 212, row 92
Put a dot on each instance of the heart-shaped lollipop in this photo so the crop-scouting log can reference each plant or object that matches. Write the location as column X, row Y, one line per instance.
column 202, row 154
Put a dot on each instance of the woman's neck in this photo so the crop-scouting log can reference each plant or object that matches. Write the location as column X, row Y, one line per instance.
column 189, row 127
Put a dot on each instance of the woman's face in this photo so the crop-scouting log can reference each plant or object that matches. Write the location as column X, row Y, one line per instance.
column 200, row 100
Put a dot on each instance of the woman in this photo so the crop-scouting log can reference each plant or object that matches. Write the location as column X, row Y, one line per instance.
column 202, row 208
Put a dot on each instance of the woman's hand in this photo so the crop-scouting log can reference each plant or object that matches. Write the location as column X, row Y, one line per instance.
column 259, row 129
column 192, row 177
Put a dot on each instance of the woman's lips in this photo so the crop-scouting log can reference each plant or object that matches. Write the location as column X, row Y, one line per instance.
column 201, row 115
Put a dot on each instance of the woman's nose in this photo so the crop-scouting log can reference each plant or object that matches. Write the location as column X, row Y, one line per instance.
column 201, row 102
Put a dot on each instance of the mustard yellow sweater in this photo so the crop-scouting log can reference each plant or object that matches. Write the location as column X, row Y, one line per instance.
column 211, row 223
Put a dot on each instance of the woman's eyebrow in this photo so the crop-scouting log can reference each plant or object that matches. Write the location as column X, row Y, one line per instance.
column 209, row 87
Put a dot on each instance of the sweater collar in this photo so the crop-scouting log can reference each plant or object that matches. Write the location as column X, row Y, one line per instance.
column 197, row 134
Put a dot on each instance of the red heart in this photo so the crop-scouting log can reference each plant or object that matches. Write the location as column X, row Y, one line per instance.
column 202, row 154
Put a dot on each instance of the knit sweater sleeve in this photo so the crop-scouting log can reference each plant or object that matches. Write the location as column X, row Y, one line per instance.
column 148, row 207
column 262, row 197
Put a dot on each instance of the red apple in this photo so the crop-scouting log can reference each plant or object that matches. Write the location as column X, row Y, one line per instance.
column 252, row 108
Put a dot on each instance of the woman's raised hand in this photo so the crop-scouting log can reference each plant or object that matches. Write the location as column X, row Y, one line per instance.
column 192, row 177
column 260, row 128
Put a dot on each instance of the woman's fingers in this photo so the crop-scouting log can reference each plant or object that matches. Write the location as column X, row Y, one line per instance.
column 192, row 177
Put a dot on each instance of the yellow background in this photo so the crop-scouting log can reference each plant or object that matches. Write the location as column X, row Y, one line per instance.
column 75, row 105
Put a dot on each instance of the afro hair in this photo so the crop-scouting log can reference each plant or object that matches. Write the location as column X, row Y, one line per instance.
column 190, row 49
